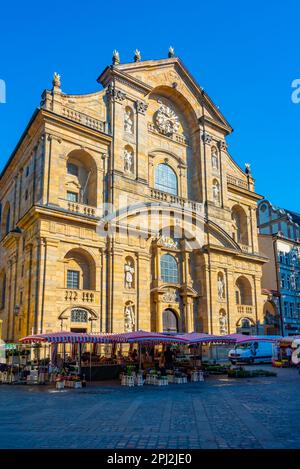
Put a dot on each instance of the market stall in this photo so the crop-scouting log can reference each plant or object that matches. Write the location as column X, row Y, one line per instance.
column 283, row 351
column 138, row 357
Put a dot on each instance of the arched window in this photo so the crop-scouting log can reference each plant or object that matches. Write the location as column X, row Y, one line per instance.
column 81, row 178
column 79, row 270
column 245, row 326
column 243, row 291
column 79, row 315
column 239, row 225
column 166, row 179
column 169, row 269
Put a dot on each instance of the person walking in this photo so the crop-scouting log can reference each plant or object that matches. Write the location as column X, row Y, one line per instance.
column 288, row 353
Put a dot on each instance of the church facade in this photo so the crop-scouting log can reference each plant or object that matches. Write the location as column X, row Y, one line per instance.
column 123, row 210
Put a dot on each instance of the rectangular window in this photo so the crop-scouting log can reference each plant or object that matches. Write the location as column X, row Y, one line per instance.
column 282, row 281
column 281, row 257
column 72, row 196
column 286, row 309
column 72, row 169
column 73, row 279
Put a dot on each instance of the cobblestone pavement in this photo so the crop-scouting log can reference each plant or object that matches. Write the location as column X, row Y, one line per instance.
column 219, row 413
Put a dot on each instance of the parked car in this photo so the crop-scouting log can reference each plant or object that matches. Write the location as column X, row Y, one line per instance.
column 254, row 351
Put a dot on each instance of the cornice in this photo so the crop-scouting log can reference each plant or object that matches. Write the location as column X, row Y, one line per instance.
column 239, row 190
column 112, row 73
column 57, row 118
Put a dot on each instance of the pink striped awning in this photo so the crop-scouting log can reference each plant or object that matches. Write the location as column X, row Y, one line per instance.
column 242, row 338
column 143, row 336
column 158, row 337
column 202, row 338
column 67, row 337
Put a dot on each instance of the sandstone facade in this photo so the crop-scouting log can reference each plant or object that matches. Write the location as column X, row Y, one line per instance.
column 106, row 190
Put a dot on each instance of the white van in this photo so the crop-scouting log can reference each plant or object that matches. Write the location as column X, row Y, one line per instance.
column 254, row 351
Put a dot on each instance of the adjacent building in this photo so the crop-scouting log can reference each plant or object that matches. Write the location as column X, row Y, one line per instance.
column 123, row 209
column 279, row 240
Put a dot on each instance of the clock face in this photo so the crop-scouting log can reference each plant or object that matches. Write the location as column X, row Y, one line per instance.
column 166, row 120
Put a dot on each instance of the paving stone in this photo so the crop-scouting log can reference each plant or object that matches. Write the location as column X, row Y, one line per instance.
column 219, row 413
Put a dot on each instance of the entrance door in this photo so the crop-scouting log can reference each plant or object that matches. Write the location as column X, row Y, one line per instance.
column 170, row 321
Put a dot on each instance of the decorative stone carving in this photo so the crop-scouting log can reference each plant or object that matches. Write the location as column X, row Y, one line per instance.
column 141, row 107
column 128, row 121
column 170, row 297
column 248, row 169
column 129, row 318
column 222, row 145
column 129, row 273
column 56, row 80
column 171, row 52
column 221, row 287
column 223, row 322
column 167, row 242
column 216, row 191
column 128, row 160
column 214, row 159
column 166, row 120
column 115, row 95
column 206, row 138
column 137, row 55
column 116, row 57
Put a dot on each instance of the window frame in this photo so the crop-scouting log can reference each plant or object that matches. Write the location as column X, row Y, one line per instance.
column 70, row 281
column 167, row 269
column 76, row 197
column 162, row 179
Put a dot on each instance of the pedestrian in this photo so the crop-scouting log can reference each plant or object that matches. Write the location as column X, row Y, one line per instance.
column 288, row 353
column 162, row 364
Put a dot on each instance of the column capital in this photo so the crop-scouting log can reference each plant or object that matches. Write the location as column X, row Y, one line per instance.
column 141, row 107
column 115, row 95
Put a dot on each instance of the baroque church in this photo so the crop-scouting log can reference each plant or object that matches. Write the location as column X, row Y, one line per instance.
column 123, row 210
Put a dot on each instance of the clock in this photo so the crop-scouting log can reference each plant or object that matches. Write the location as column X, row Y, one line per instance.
column 166, row 120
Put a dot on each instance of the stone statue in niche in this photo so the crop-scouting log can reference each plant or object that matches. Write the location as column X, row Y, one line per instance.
column 223, row 323
column 221, row 287
column 129, row 320
column 214, row 160
column 128, row 160
column 128, row 122
column 129, row 273
column 216, row 192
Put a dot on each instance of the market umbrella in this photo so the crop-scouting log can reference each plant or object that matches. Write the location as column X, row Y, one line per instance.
column 202, row 338
column 242, row 338
column 67, row 337
column 156, row 337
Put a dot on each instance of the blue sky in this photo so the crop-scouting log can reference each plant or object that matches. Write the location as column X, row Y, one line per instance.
column 244, row 54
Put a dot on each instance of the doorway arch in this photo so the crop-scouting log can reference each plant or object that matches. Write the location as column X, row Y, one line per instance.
column 170, row 321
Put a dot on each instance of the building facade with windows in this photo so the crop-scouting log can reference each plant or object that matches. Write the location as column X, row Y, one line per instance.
column 123, row 209
column 279, row 240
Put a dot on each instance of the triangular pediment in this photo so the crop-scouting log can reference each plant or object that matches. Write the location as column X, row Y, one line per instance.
column 152, row 74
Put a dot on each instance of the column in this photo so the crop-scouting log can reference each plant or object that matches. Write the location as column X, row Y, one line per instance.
column 141, row 141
